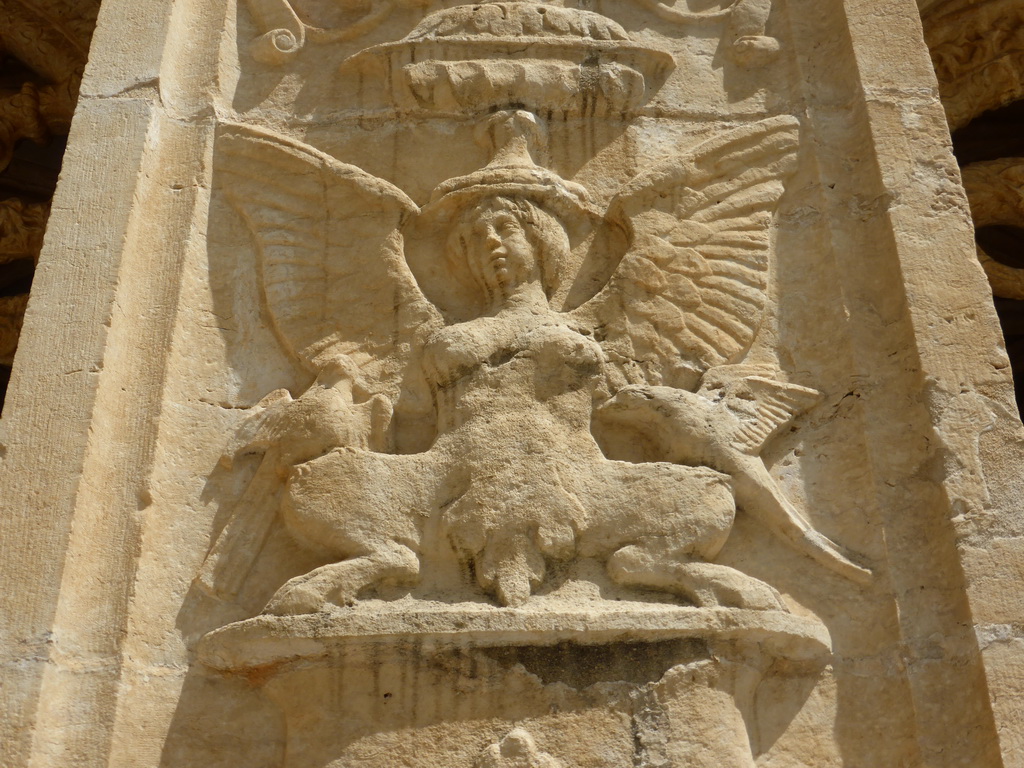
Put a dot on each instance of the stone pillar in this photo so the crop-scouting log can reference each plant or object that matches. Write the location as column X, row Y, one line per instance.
column 508, row 384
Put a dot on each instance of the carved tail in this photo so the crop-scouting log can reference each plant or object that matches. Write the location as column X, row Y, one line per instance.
column 233, row 553
column 758, row 494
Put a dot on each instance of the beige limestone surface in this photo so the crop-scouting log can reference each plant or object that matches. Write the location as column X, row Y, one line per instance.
column 510, row 384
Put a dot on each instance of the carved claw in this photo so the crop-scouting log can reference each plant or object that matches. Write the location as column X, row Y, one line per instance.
column 341, row 583
column 837, row 559
column 322, row 418
column 708, row 585
column 755, row 50
column 248, row 438
column 627, row 399
column 312, row 591
column 511, row 568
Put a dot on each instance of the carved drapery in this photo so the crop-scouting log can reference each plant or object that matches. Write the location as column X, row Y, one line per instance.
column 43, row 49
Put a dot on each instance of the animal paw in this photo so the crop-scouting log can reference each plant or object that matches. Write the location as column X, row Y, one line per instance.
column 755, row 50
column 511, row 569
column 312, row 591
column 718, row 585
column 295, row 599
column 707, row 585
column 629, row 565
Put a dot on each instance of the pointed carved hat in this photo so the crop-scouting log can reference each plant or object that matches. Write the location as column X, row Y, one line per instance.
column 512, row 172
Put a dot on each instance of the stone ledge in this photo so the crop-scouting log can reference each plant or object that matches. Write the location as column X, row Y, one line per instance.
column 266, row 640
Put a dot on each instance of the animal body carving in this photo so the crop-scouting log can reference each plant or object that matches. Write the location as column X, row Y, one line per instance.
column 694, row 429
column 513, row 478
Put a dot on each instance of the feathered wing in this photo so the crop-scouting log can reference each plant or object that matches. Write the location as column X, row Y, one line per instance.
column 689, row 293
column 334, row 276
column 763, row 407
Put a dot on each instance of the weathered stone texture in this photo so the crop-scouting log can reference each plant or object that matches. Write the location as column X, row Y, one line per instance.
column 511, row 385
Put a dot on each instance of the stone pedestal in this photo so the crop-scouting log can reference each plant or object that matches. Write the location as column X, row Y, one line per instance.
column 399, row 684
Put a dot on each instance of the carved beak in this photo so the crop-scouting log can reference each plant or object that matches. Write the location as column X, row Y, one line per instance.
column 627, row 400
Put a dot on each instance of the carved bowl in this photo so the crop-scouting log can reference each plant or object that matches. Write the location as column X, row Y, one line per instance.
column 474, row 57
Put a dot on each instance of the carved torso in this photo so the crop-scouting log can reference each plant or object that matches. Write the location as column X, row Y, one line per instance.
column 525, row 370
column 515, row 477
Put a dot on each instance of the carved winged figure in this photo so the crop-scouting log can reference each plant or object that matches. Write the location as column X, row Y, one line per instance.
column 513, row 478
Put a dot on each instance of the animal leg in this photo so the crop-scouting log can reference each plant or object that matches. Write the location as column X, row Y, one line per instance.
column 340, row 583
column 708, row 585
column 751, row 46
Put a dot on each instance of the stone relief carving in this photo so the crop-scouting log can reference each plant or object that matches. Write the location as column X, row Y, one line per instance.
column 995, row 191
column 12, row 312
column 21, row 229
column 745, row 26
column 53, row 45
column 517, row 750
column 978, row 52
column 566, row 59
column 513, row 480
column 286, row 33
column 532, row 420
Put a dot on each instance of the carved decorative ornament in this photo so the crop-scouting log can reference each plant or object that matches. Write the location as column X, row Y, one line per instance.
column 978, row 52
column 995, row 190
column 534, row 415
column 285, row 33
column 514, row 479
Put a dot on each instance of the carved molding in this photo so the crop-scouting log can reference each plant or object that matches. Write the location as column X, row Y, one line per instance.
column 995, row 191
column 471, row 57
column 285, row 33
column 977, row 49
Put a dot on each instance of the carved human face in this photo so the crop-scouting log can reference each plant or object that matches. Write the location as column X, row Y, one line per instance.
column 500, row 253
column 509, row 247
